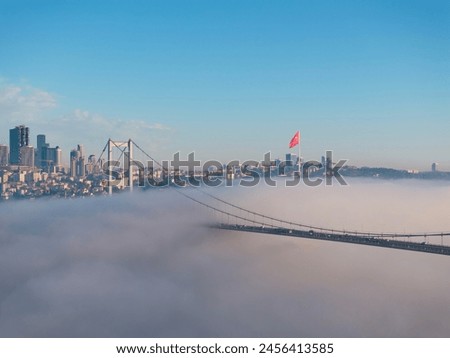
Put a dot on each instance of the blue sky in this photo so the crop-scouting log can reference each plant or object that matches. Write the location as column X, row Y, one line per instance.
column 232, row 79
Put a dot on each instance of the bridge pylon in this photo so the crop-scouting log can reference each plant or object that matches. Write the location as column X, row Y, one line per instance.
column 126, row 147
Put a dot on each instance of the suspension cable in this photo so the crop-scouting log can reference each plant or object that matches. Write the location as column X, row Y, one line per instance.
column 273, row 219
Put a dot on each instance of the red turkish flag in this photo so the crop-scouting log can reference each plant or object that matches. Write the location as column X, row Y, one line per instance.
column 295, row 140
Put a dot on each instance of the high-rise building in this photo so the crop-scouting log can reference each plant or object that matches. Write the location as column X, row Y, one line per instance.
column 47, row 158
column 53, row 160
column 40, row 141
column 291, row 159
column 50, row 157
column 27, row 156
column 92, row 166
column 329, row 163
column 41, row 151
column 77, row 162
column 80, row 149
column 74, row 156
column 81, row 168
column 18, row 137
column 434, row 167
column 58, row 158
column 4, row 155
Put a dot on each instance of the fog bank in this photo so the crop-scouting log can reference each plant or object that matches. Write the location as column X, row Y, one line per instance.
column 144, row 265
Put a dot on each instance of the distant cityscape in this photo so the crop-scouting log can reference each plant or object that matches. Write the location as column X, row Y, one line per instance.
column 29, row 172
column 32, row 172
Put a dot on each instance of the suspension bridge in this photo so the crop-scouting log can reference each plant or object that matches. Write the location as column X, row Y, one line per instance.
column 232, row 217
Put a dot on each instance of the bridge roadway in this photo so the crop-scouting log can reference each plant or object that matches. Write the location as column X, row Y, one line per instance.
column 370, row 239
column 347, row 238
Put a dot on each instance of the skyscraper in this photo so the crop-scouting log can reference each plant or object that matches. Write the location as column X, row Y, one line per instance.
column 291, row 159
column 18, row 137
column 92, row 166
column 27, row 156
column 58, row 158
column 41, row 151
column 40, row 141
column 80, row 149
column 74, row 156
column 77, row 164
column 81, row 169
column 47, row 158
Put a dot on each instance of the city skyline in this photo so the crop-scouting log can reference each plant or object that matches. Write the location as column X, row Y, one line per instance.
column 232, row 80
column 43, row 155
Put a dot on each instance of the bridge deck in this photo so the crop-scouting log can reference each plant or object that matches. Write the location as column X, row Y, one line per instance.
column 352, row 239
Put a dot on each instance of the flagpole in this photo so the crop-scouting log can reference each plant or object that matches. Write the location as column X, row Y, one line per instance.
column 296, row 141
column 299, row 153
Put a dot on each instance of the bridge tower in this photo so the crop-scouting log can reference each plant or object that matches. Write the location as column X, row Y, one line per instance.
column 127, row 150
